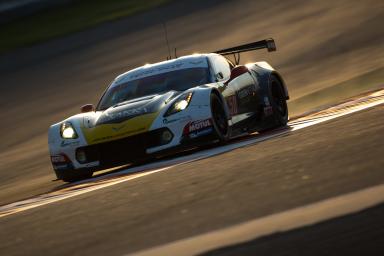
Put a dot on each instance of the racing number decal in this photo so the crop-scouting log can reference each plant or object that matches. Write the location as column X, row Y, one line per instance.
column 232, row 104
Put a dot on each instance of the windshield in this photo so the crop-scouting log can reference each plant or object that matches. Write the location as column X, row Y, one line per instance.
column 178, row 80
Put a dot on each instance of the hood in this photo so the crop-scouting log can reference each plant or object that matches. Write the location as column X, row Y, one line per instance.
column 125, row 119
column 136, row 107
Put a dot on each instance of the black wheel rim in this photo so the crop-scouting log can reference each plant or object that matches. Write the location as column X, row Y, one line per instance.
column 220, row 118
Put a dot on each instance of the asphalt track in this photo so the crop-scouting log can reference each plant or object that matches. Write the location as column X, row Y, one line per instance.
column 326, row 155
column 140, row 211
column 118, row 176
column 41, row 85
column 357, row 234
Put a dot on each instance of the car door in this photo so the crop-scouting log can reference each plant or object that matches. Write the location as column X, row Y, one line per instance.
column 240, row 89
column 246, row 90
column 221, row 71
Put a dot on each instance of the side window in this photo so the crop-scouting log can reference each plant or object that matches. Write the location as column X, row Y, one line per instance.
column 222, row 66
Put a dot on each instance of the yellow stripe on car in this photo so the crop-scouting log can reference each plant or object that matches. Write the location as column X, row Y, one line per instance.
column 108, row 132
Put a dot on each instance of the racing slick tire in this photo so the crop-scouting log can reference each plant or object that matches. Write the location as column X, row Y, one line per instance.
column 73, row 175
column 220, row 125
column 279, row 106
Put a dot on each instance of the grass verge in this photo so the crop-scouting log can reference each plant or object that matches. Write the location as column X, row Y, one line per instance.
column 63, row 20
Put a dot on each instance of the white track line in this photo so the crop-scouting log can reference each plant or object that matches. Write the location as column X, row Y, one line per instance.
column 96, row 183
column 279, row 222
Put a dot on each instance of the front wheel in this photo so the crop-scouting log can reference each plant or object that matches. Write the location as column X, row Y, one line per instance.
column 219, row 118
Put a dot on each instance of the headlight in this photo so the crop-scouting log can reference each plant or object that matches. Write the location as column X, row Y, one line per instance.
column 67, row 131
column 180, row 104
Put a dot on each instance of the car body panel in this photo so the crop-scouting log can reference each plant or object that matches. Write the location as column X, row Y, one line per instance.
column 112, row 131
column 244, row 101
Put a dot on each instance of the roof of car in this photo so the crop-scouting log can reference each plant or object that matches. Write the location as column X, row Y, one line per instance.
column 188, row 61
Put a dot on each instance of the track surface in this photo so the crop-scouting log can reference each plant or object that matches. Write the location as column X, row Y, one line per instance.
column 209, row 194
column 321, row 44
column 357, row 234
column 114, row 177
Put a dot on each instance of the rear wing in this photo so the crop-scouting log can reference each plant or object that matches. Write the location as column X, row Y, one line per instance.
column 268, row 44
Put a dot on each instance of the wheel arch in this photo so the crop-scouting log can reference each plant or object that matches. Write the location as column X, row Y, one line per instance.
column 281, row 80
column 264, row 72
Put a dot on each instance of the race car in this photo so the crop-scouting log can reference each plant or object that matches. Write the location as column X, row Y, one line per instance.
column 161, row 108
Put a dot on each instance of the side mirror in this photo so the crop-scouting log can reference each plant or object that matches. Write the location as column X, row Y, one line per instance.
column 238, row 71
column 87, row 108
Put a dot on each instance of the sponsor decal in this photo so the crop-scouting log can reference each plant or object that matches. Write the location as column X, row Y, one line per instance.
column 199, row 125
column 154, row 70
column 61, row 162
column 243, row 93
column 108, row 117
column 69, row 143
column 166, row 68
column 201, row 133
column 150, row 70
column 180, row 119
column 198, row 62
column 59, row 159
column 246, row 92
column 198, row 128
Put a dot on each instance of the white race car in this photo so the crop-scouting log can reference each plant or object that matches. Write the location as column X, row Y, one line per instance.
column 163, row 107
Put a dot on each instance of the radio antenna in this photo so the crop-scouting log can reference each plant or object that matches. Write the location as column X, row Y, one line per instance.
column 166, row 40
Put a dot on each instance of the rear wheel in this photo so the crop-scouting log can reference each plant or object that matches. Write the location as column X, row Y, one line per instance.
column 219, row 118
column 279, row 106
column 74, row 175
